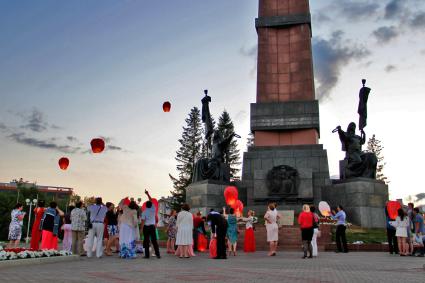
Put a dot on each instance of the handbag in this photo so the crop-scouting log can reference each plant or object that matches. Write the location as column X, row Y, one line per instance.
column 90, row 224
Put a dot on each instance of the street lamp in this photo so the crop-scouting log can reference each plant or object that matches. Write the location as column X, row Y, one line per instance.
column 30, row 203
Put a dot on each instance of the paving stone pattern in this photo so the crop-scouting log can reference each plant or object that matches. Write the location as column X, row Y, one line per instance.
column 257, row 267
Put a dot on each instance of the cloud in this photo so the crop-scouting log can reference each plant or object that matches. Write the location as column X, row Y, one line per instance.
column 390, row 68
column 418, row 21
column 355, row 10
column 35, row 121
column 394, row 9
column 330, row 57
column 249, row 52
column 21, row 138
column 72, row 139
column 385, row 34
column 3, row 127
column 114, row 147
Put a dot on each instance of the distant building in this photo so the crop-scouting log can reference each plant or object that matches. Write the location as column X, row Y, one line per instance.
column 52, row 192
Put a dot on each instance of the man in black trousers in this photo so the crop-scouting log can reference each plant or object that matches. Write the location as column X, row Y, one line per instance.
column 219, row 229
column 149, row 227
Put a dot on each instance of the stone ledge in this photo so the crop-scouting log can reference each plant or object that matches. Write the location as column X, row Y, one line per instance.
column 41, row 260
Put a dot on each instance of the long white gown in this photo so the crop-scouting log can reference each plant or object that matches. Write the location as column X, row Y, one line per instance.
column 184, row 228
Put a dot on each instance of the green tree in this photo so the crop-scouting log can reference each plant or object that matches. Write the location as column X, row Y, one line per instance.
column 374, row 145
column 186, row 156
column 232, row 156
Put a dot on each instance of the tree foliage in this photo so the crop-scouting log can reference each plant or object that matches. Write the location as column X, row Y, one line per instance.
column 186, row 156
column 232, row 156
column 374, row 145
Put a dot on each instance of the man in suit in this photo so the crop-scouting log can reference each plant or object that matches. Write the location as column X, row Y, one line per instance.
column 219, row 229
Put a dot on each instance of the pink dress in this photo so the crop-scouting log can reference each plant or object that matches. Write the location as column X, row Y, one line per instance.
column 67, row 237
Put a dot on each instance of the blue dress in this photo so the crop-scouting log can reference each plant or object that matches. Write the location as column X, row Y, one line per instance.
column 232, row 229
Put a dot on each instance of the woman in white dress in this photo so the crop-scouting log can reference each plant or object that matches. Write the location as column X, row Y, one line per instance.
column 272, row 228
column 127, row 224
column 184, row 237
column 401, row 224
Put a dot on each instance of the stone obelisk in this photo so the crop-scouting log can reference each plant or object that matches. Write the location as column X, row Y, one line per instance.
column 286, row 163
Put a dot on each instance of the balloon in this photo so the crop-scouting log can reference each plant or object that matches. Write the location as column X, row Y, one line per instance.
column 324, row 208
column 63, row 163
column 166, row 106
column 392, row 209
column 231, row 195
column 97, row 145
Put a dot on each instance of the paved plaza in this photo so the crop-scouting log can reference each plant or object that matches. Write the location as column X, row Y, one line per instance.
column 285, row 267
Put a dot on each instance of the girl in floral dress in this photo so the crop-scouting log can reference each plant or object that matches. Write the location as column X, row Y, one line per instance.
column 171, row 232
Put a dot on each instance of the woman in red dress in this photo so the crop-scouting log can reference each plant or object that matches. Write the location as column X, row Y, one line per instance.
column 36, row 232
column 249, row 242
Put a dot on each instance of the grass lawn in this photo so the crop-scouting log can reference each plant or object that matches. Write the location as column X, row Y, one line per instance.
column 371, row 235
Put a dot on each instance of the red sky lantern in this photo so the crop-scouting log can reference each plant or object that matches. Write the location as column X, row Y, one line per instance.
column 231, row 195
column 166, row 106
column 392, row 209
column 63, row 163
column 97, row 145
column 239, row 208
column 324, row 208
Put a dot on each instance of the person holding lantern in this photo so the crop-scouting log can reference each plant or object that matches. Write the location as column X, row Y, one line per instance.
column 249, row 241
column 232, row 231
column 127, row 224
column 219, row 231
column 148, row 226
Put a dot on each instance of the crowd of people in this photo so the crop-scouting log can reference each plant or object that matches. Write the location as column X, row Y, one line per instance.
column 406, row 233
column 101, row 229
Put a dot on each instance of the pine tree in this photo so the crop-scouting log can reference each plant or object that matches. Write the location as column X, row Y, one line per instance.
column 374, row 145
column 232, row 156
column 188, row 152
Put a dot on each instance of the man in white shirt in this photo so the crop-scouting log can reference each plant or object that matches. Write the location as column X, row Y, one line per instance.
column 149, row 227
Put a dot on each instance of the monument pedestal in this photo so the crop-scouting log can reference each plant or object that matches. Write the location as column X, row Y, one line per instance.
column 310, row 162
column 363, row 200
column 207, row 194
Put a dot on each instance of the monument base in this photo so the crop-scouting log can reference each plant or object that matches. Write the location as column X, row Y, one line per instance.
column 363, row 200
column 207, row 194
column 311, row 163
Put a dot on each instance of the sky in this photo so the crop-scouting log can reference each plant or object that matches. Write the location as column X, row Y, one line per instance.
column 71, row 71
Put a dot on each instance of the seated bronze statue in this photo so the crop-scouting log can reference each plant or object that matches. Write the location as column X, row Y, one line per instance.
column 214, row 168
column 359, row 163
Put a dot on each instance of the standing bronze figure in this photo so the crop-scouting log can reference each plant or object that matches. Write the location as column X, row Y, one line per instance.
column 362, row 109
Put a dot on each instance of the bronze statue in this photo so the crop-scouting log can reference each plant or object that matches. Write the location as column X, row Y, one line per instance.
column 362, row 109
column 359, row 163
column 213, row 167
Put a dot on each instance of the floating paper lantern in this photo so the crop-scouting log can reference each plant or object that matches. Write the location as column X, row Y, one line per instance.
column 166, row 106
column 63, row 163
column 231, row 195
column 97, row 145
column 324, row 208
column 392, row 209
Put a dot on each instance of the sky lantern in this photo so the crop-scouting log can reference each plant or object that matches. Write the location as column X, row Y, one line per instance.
column 166, row 106
column 231, row 195
column 63, row 163
column 239, row 208
column 97, row 145
column 324, row 208
column 392, row 209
